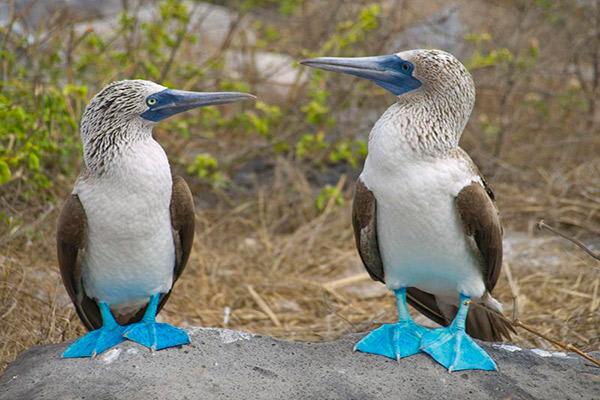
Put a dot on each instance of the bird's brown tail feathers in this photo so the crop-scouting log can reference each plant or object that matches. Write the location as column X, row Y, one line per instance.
column 481, row 324
column 485, row 325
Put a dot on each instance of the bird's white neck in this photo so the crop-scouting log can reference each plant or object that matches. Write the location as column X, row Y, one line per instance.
column 417, row 127
column 106, row 146
column 140, row 171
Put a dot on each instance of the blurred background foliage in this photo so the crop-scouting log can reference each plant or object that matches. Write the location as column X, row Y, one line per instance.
column 535, row 125
column 273, row 179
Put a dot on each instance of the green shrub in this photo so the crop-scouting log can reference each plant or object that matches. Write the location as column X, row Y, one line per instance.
column 47, row 80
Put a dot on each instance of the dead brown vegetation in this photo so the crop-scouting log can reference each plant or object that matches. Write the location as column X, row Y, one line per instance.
column 265, row 261
column 270, row 264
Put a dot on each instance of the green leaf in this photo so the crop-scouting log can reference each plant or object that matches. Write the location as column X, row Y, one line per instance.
column 5, row 173
column 327, row 194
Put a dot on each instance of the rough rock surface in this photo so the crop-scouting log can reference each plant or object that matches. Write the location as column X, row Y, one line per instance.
column 224, row 364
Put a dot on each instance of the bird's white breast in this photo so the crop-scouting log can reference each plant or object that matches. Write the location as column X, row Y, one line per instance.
column 130, row 253
column 421, row 238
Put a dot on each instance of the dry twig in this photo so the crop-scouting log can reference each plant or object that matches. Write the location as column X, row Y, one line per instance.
column 263, row 305
column 543, row 225
column 556, row 342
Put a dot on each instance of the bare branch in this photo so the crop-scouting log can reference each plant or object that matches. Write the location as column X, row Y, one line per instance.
column 543, row 225
column 556, row 342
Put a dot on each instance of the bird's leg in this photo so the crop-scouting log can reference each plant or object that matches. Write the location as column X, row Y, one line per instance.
column 398, row 340
column 402, row 307
column 155, row 335
column 453, row 347
column 99, row 340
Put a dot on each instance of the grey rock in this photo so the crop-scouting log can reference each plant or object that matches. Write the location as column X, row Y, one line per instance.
column 36, row 12
column 224, row 364
column 443, row 30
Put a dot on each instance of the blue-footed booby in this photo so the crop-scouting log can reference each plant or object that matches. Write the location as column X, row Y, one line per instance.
column 424, row 218
column 125, row 233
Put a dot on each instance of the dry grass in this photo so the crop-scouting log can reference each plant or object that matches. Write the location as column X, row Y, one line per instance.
column 267, row 262
column 570, row 198
column 266, row 265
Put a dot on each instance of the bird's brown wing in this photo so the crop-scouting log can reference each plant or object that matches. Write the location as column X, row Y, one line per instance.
column 70, row 242
column 364, row 222
column 481, row 222
column 183, row 224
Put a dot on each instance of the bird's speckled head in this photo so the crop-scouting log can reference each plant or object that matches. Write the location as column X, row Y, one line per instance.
column 429, row 71
column 125, row 112
column 113, row 118
column 435, row 94
column 119, row 102
column 440, row 73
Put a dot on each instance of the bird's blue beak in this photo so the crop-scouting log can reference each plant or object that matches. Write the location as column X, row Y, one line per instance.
column 390, row 72
column 169, row 102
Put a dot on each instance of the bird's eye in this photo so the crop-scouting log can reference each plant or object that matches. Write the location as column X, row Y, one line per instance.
column 405, row 67
column 151, row 101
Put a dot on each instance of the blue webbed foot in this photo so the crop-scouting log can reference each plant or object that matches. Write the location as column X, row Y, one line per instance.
column 95, row 342
column 454, row 348
column 154, row 335
column 395, row 341
column 456, row 351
